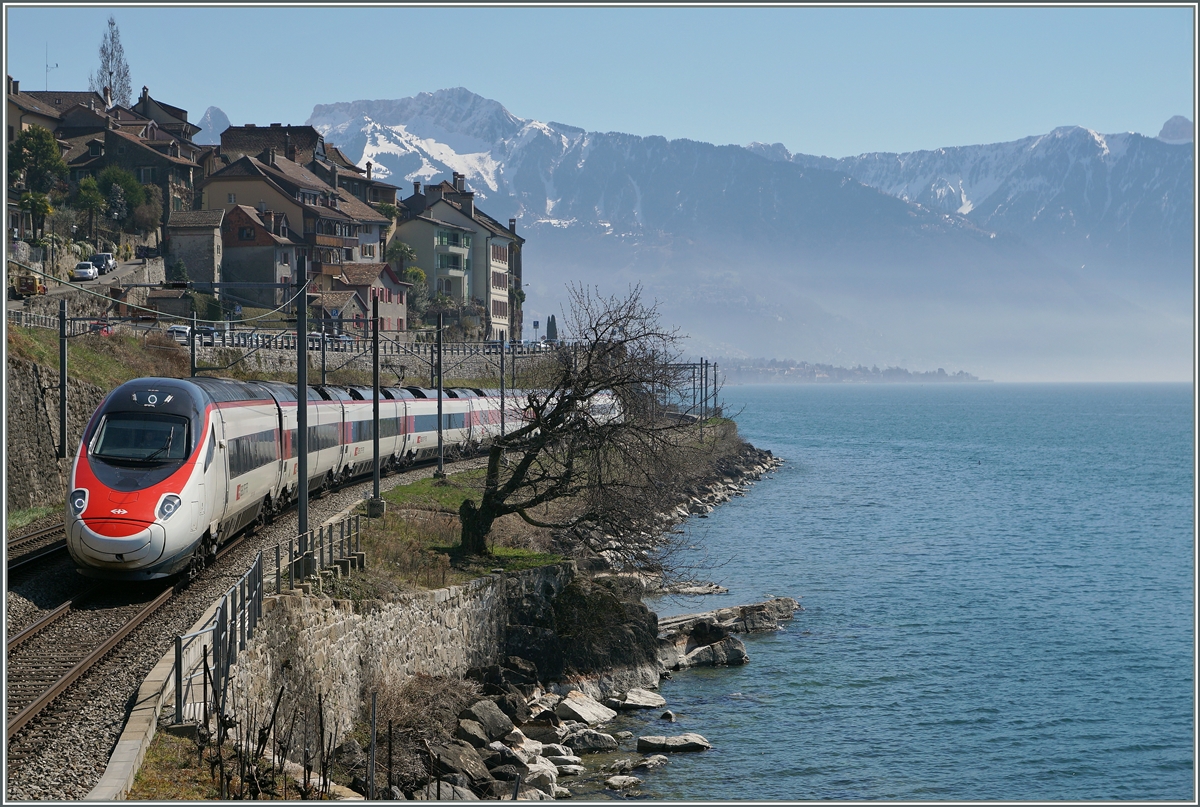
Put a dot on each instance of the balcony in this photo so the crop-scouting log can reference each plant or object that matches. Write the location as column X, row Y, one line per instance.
column 322, row 240
column 321, row 268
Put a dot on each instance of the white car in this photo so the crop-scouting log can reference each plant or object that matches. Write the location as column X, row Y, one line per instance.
column 179, row 333
column 85, row 270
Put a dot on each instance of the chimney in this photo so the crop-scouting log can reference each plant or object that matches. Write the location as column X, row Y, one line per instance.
column 108, row 101
column 276, row 125
column 15, row 86
column 262, row 206
column 289, row 150
column 459, row 182
column 145, row 93
column 368, row 169
column 416, row 188
column 512, row 225
column 269, row 220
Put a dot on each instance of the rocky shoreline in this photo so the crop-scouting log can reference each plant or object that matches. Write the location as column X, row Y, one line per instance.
column 549, row 720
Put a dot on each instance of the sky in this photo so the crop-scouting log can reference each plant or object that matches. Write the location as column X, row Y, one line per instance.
column 833, row 81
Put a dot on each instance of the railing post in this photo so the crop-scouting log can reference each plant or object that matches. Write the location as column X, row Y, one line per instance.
column 242, row 614
column 178, row 679
column 278, row 572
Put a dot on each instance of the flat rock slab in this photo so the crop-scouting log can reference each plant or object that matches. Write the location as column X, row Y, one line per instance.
column 639, row 699
column 590, row 741
column 447, row 792
column 584, row 708
column 621, row 782
column 680, row 742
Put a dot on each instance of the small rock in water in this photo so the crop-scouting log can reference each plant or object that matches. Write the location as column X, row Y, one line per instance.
column 621, row 782
column 668, row 716
column 624, row 735
column 653, row 761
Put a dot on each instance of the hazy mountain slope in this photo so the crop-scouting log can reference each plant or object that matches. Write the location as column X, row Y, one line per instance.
column 1068, row 252
column 211, row 124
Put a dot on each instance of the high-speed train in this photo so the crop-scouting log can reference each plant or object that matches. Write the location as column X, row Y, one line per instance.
column 168, row 468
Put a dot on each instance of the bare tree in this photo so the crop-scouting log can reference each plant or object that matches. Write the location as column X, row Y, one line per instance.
column 596, row 446
column 114, row 70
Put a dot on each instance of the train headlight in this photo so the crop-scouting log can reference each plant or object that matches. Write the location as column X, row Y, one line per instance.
column 78, row 501
column 167, row 507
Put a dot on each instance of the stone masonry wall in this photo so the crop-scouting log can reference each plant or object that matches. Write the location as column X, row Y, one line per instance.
column 35, row 475
column 312, row 645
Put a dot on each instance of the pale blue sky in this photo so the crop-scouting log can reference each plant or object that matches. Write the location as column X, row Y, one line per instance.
column 834, row 81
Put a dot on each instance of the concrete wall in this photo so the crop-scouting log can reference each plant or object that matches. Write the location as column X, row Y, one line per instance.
column 35, row 476
column 312, row 645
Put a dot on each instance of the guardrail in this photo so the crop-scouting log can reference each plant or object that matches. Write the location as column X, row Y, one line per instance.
column 231, row 626
column 203, row 658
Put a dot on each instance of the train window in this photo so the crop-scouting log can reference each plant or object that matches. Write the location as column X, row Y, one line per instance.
column 212, row 448
column 138, row 437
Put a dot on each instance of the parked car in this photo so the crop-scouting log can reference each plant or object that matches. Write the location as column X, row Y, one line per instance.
column 100, row 327
column 314, row 340
column 104, row 261
column 179, row 333
column 344, row 339
column 206, row 335
column 85, row 270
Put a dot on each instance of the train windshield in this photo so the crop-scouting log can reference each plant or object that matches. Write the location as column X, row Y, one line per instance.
column 137, row 437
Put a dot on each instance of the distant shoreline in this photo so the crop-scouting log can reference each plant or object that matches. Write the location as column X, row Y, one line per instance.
column 792, row 372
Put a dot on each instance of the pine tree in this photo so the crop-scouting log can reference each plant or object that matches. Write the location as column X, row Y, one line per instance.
column 114, row 70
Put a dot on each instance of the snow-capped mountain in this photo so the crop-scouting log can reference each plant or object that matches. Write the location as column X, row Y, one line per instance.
column 211, row 124
column 923, row 258
column 1072, row 191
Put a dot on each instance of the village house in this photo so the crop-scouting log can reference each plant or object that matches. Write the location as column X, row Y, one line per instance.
column 259, row 247
column 469, row 258
column 193, row 237
column 370, row 280
column 337, row 312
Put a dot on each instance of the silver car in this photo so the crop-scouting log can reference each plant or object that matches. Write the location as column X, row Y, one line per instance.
column 85, row 270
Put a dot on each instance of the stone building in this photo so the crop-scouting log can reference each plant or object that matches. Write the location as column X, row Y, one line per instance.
column 194, row 237
column 259, row 247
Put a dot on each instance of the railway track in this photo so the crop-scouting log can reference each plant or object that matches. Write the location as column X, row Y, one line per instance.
column 45, row 659
column 48, row 657
column 34, row 547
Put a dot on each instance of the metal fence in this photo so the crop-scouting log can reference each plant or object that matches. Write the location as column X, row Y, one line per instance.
column 204, row 657
column 279, row 340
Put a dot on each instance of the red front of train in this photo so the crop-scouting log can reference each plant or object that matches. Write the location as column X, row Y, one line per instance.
column 137, row 494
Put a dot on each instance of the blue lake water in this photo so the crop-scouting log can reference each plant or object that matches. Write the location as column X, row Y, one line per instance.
column 998, row 591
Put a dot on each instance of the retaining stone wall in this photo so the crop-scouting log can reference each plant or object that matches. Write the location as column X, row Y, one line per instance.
column 312, row 645
column 35, row 475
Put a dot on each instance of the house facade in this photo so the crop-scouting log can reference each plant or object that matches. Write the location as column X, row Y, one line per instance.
column 468, row 257
column 259, row 247
column 371, row 280
column 194, row 237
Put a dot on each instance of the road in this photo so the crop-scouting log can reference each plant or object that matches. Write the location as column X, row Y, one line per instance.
column 100, row 284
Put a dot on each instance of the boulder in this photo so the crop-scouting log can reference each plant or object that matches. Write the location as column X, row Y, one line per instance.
column 487, row 714
column 459, row 757
column 652, row 761
column 621, row 782
column 578, row 706
column 668, row 716
column 472, row 732
column 507, row 773
column 444, row 791
column 543, row 774
column 506, row 755
column 619, row 766
column 590, row 741
column 545, row 732
column 558, row 749
column 642, row 699
column 561, row 793
column 514, row 707
column 680, row 742
column 622, row 736
column 564, row 759
column 571, row 770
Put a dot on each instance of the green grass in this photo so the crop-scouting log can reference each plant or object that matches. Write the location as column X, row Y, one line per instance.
column 106, row 361
column 444, row 495
column 19, row 519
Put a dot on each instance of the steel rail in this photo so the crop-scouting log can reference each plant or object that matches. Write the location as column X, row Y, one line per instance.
column 30, row 711
column 49, row 619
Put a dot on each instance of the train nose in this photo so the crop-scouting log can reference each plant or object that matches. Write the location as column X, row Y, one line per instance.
column 119, row 543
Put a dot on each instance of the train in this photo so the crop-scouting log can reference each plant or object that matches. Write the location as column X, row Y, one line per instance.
column 169, row 469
